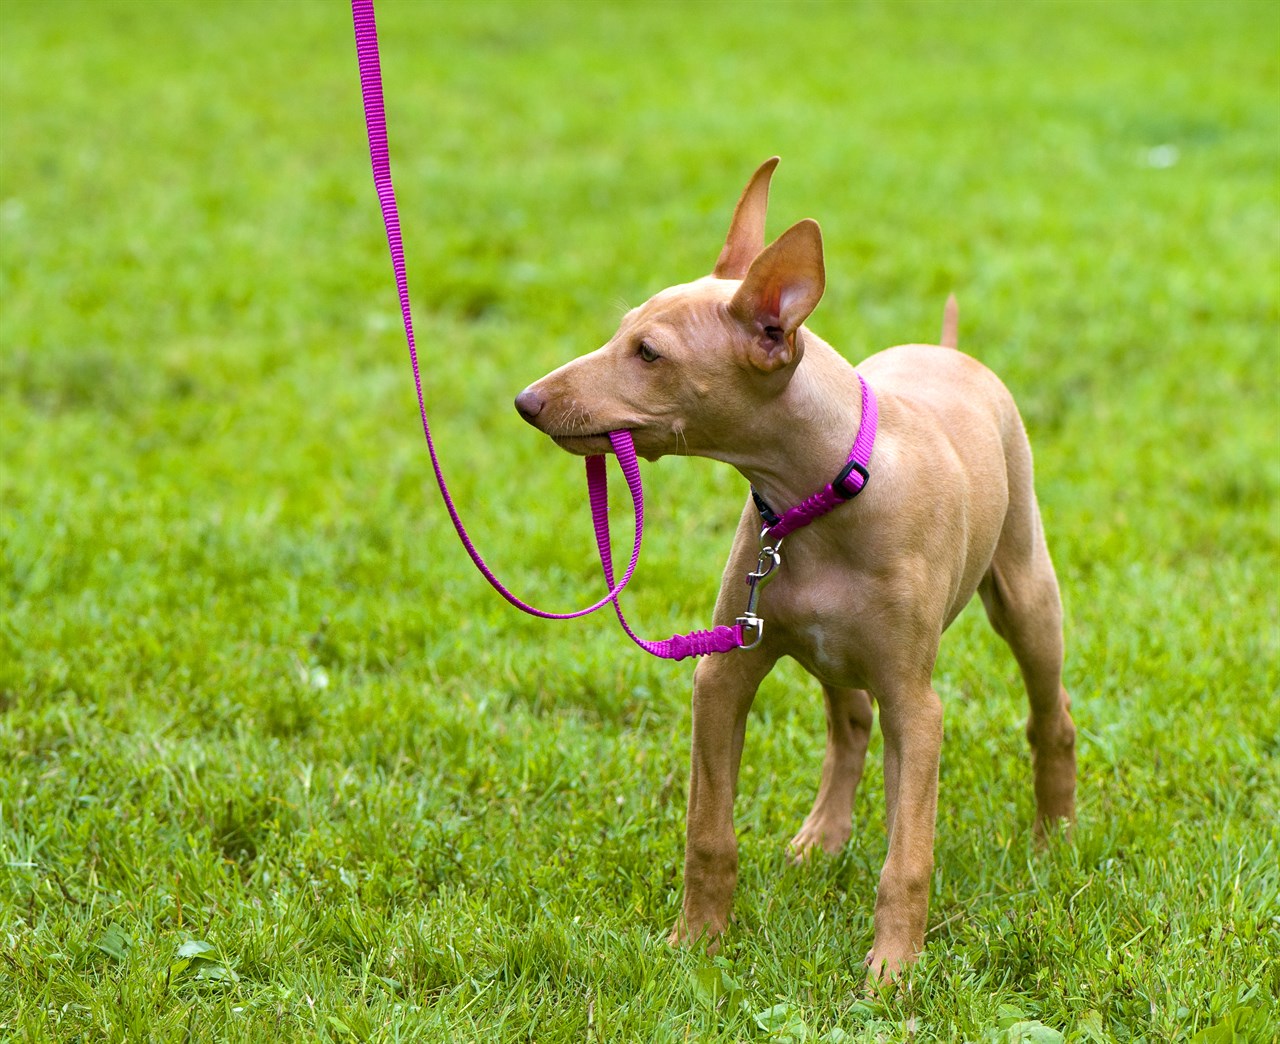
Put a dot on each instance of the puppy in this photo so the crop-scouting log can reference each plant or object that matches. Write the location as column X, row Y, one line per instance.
column 723, row 367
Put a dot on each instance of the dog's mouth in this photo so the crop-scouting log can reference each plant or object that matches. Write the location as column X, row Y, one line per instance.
column 584, row 445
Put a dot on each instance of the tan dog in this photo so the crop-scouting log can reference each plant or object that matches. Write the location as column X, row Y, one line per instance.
column 722, row 368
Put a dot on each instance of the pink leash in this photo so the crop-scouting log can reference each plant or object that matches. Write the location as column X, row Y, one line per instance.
column 699, row 643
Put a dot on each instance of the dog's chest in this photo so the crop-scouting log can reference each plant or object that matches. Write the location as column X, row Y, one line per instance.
column 819, row 622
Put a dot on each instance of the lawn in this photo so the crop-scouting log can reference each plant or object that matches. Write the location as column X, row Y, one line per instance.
column 275, row 763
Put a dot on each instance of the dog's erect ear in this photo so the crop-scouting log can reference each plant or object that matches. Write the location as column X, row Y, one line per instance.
column 782, row 286
column 746, row 230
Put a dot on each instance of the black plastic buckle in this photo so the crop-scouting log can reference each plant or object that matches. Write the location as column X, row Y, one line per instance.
column 838, row 486
column 767, row 514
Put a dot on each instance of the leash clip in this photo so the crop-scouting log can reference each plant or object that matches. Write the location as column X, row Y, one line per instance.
column 766, row 565
column 747, row 623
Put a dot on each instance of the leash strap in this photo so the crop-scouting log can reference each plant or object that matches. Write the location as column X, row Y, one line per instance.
column 366, row 33
column 848, row 484
column 678, row 646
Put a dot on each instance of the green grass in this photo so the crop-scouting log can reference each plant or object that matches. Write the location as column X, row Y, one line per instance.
column 276, row 764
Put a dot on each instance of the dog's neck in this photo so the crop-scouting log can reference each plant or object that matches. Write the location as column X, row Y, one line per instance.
column 803, row 435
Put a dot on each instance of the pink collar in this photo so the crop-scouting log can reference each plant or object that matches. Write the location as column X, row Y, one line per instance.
column 851, row 481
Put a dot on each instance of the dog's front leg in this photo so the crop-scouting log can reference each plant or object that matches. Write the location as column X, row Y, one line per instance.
column 724, row 686
column 911, row 720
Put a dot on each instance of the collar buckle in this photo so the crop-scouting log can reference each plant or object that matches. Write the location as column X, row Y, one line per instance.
column 843, row 491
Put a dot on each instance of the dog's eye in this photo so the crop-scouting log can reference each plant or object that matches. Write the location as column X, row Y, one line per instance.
column 646, row 352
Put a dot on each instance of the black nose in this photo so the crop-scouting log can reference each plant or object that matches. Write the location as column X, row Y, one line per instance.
column 529, row 404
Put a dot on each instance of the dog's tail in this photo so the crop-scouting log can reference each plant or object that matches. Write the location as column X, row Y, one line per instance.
column 950, row 324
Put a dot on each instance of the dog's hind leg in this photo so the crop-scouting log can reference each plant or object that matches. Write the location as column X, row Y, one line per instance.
column 829, row 824
column 1020, row 593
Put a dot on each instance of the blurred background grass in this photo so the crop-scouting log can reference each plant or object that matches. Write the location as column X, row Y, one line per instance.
column 221, row 545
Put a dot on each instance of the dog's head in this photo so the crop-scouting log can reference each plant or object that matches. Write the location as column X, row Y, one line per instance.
column 687, row 370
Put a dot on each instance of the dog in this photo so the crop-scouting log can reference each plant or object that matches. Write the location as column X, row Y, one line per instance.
column 724, row 367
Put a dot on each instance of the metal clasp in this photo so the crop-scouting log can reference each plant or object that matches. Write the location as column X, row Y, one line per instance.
column 766, row 565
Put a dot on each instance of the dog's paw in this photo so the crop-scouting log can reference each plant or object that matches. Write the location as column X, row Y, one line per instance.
column 707, row 937
column 681, row 939
column 886, row 964
column 816, row 837
column 1047, row 827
